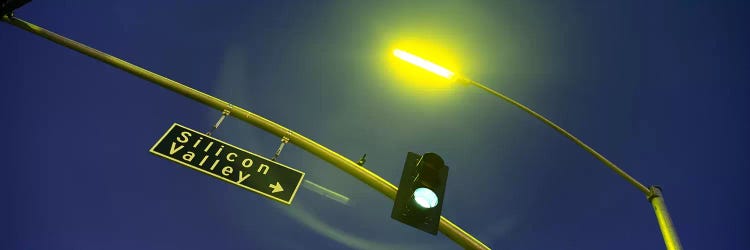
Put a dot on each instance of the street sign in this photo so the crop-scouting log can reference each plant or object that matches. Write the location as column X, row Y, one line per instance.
column 226, row 162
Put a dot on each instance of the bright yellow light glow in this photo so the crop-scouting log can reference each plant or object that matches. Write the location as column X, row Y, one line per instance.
column 418, row 85
column 434, row 68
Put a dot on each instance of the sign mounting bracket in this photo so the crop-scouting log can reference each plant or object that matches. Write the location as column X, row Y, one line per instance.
column 284, row 141
column 224, row 114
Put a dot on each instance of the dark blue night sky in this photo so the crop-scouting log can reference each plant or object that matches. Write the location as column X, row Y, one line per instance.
column 660, row 88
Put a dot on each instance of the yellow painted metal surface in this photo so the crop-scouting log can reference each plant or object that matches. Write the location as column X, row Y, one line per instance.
column 451, row 230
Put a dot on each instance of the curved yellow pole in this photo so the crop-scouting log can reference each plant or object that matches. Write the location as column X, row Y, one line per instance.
column 450, row 230
column 653, row 194
column 562, row 131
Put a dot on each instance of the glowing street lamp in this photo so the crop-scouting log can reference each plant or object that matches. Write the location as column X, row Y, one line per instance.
column 422, row 63
column 653, row 193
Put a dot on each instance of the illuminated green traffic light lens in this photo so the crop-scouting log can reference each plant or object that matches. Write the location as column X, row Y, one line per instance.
column 425, row 198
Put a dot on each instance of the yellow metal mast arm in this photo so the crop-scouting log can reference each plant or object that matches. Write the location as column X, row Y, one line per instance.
column 450, row 230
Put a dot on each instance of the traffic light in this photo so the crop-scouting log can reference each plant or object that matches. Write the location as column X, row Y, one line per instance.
column 8, row 6
column 419, row 200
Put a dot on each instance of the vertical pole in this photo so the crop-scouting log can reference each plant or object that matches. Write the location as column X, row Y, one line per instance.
column 665, row 222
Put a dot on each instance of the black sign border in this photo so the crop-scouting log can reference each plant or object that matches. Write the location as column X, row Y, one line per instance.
column 289, row 202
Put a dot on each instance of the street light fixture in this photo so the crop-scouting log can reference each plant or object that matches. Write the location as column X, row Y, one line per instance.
column 653, row 193
column 427, row 65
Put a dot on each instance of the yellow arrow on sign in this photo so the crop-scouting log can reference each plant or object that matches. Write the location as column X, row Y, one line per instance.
column 276, row 188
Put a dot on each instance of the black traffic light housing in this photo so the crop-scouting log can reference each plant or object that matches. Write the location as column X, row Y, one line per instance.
column 421, row 171
column 8, row 6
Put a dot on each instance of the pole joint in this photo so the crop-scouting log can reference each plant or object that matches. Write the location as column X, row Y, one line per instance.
column 462, row 80
column 654, row 192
